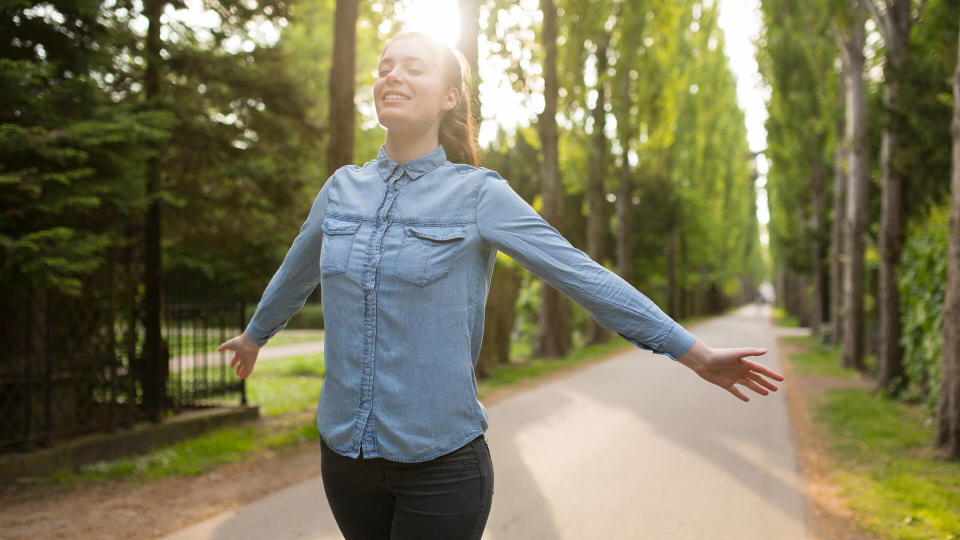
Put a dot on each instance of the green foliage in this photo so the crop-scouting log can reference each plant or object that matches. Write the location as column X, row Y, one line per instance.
column 310, row 317
column 884, row 461
column 895, row 488
column 194, row 456
column 819, row 359
column 923, row 287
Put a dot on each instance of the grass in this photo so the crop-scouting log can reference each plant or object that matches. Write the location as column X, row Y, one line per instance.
column 286, row 389
column 782, row 318
column 885, row 463
column 193, row 456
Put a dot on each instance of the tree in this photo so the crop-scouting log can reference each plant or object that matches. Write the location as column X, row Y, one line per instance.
column 342, row 76
column 894, row 20
column 554, row 338
column 948, row 405
column 850, row 36
column 837, row 229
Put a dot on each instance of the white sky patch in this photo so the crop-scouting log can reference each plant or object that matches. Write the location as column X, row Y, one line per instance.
column 740, row 21
column 439, row 18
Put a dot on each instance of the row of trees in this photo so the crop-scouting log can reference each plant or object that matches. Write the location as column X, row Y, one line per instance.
column 642, row 158
column 150, row 156
column 858, row 114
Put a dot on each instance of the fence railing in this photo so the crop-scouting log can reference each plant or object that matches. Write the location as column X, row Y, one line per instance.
column 73, row 366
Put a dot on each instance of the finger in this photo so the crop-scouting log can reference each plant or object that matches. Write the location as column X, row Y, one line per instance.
column 760, row 380
column 752, row 351
column 753, row 386
column 765, row 371
column 222, row 347
column 736, row 391
column 235, row 361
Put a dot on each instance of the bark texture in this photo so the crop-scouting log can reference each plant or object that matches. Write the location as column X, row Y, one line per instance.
column 554, row 339
column 894, row 23
column 467, row 44
column 836, row 247
column 342, row 74
column 154, row 365
column 597, row 218
column 852, row 43
column 948, row 405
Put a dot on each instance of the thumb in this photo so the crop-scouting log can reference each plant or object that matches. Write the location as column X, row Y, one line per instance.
column 223, row 346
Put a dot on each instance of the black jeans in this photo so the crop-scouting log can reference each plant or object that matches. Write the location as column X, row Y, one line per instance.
column 447, row 497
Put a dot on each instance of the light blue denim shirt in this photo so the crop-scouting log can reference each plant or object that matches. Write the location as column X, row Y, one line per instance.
column 404, row 253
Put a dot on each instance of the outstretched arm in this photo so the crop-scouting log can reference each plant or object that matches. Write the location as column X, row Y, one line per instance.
column 510, row 225
column 287, row 291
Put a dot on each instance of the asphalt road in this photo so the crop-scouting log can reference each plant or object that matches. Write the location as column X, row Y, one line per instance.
column 634, row 447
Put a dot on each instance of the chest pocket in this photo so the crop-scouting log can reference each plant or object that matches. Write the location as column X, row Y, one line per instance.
column 428, row 252
column 338, row 235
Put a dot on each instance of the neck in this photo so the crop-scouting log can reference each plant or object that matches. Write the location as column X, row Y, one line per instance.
column 402, row 146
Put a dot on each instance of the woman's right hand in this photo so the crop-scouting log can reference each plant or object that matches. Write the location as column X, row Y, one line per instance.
column 245, row 353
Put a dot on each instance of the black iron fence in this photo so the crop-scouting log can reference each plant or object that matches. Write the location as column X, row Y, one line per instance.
column 72, row 364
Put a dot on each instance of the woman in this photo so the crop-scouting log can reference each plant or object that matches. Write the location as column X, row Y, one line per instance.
column 404, row 249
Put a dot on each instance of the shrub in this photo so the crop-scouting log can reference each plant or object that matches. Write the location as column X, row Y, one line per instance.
column 923, row 286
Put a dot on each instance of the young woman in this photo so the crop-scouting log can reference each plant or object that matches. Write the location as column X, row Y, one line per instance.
column 404, row 249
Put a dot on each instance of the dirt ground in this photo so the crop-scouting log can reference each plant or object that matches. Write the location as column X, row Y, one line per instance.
column 830, row 519
column 152, row 509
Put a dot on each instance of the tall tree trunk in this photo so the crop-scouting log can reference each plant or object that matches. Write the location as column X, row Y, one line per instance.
column 342, row 74
column 948, row 404
column 467, row 44
column 836, row 246
column 155, row 366
column 817, row 181
column 856, row 141
column 895, row 25
column 597, row 219
column 554, row 338
column 499, row 317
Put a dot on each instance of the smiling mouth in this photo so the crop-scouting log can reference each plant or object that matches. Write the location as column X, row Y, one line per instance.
column 395, row 98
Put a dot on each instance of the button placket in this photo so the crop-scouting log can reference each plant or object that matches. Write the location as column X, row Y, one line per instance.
column 365, row 429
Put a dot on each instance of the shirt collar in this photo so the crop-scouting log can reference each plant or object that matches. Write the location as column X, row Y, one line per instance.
column 415, row 168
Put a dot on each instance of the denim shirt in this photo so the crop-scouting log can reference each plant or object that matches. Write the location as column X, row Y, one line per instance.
column 404, row 254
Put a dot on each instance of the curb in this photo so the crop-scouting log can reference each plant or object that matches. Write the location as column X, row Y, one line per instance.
column 104, row 446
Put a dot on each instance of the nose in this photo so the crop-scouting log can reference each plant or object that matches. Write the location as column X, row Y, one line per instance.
column 392, row 76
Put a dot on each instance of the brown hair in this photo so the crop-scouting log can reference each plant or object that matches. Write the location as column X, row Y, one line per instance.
column 458, row 130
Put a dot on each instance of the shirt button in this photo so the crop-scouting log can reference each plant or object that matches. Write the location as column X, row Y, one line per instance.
column 369, row 333
column 369, row 297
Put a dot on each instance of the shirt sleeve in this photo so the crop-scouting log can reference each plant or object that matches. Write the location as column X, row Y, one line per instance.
column 296, row 278
column 512, row 226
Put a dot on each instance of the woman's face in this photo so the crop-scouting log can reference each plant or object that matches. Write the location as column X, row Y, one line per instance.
column 411, row 91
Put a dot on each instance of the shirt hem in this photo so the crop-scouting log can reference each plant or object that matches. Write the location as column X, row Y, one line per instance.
column 400, row 459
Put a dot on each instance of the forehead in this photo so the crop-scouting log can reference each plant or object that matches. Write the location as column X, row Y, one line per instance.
column 407, row 50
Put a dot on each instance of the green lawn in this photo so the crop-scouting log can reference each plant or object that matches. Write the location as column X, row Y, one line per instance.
column 886, row 466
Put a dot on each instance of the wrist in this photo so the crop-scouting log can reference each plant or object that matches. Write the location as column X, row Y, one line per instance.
column 249, row 342
column 697, row 356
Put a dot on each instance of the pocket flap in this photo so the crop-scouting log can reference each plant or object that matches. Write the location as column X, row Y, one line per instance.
column 436, row 233
column 332, row 225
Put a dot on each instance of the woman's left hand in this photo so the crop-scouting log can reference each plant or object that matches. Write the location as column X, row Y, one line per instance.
column 729, row 367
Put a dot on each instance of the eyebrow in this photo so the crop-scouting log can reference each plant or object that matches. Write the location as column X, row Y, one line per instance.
column 404, row 58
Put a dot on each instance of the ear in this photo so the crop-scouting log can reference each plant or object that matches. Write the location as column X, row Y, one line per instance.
column 451, row 99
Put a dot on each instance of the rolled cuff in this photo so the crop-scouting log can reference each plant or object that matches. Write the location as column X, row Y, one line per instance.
column 677, row 342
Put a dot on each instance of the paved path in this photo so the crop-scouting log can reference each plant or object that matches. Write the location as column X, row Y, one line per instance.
column 634, row 447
